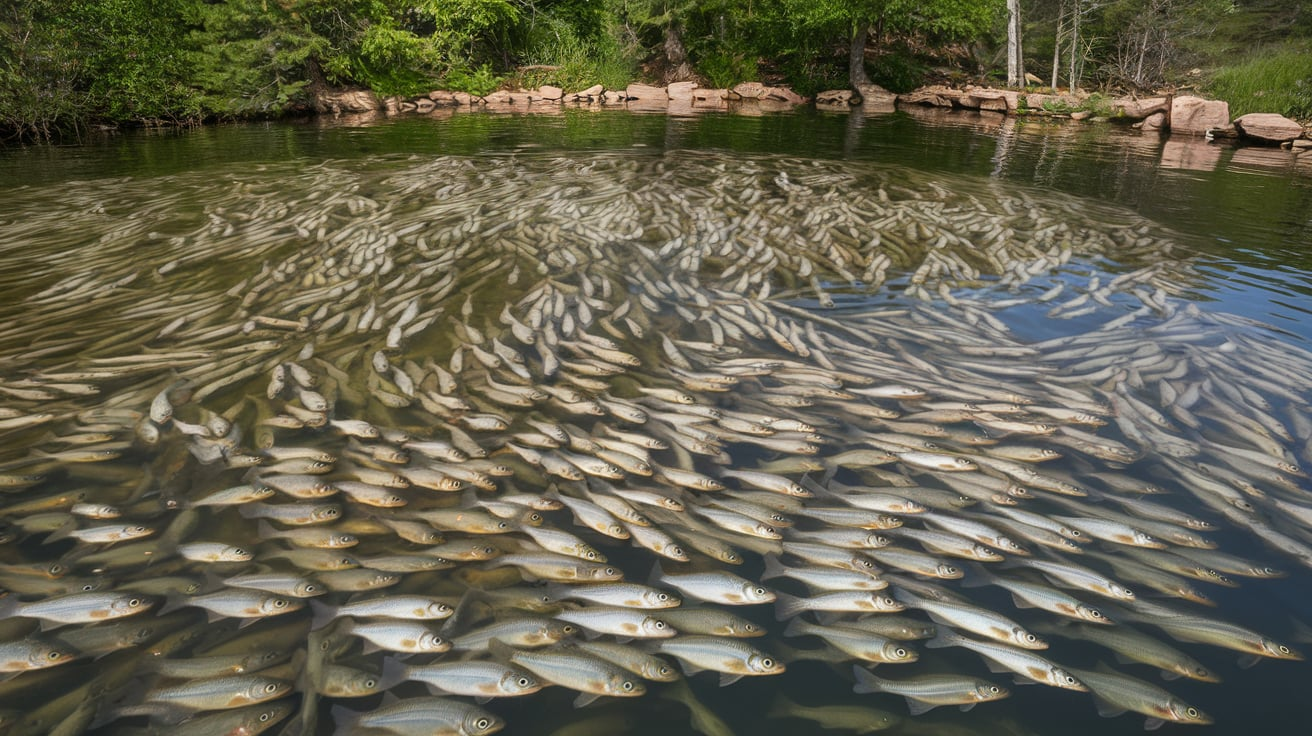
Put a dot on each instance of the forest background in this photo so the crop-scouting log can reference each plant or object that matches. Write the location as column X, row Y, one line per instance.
column 72, row 66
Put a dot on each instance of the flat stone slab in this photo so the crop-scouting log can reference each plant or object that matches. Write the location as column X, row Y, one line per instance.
column 1268, row 127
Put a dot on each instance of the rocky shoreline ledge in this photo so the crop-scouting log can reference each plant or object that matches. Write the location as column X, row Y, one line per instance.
column 1185, row 114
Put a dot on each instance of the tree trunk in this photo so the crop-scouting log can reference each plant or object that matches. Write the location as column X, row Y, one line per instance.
column 676, row 55
column 1015, row 57
column 1073, row 78
column 856, row 57
column 1056, row 57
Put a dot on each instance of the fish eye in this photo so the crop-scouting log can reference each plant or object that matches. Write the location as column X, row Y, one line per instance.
column 732, row 557
column 55, row 569
column 660, row 624
column 662, row 597
column 489, row 550
column 1284, row 649
column 1030, row 638
column 503, row 525
column 134, row 602
column 900, row 652
column 309, row 588
column 567, row 628
column 54, row 655
column 264, row 717
column 523, row 682
column 1192, row 712
column 239, row 551
column 767, row 663
column 759, row 591
column 676, row 550
column 993, row 689
column 749, row 627
column 88, row 587
column 482, row 723
column 535, row 517
column 1070, row 680
column 627, row 686
column 280, row 603
column 950, row 570
column 330, row 512
column 1075, row 532
column 1095, row 613
column 271, row 687
column 1268, row 571
column 590, row 555
column 609, row 571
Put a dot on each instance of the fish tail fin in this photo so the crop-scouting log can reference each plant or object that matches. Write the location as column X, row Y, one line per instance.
column 323, row 614
column 394, row 673
column 787, row 606
column 460, row 617
column 64, row 531
column 345, row 720
column 942, row 640
column 657, row 574
column 796, row 627
column 866, row 682
column 773, row 568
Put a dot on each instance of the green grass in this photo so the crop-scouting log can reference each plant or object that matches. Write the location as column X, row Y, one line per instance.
column 1274, row 79
column 579, row 63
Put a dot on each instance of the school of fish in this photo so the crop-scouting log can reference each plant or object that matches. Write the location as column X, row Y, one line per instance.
column 378, row 452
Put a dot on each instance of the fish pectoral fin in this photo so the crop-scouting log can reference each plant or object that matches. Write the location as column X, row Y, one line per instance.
column 480, row 699
column 919, row 707
column 1170, row 676
column 729, row 678
column 585, row 699
column 966, row 707
column 1021, row 602
column 1152, row 724
column 1248, row 660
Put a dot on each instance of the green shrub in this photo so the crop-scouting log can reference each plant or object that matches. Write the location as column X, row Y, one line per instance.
column 724, row 69
column 477, row 82
column 897, row 71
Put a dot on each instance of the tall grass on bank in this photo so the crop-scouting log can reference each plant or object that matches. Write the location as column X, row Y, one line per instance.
column 1275, row 80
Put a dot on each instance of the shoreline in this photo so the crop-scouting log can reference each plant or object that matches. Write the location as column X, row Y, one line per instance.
column 1169, row 113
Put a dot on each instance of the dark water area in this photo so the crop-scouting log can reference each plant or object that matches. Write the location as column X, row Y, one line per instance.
column 110, row 241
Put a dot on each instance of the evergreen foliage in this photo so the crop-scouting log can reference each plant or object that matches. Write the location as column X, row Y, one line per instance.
column 68, row 65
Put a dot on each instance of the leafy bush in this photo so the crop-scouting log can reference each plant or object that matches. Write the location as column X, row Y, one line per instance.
column 724, row 69
column 477, row 82
column 898, row 71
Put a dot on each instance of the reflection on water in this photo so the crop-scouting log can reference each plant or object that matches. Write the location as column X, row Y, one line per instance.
column 358, row 358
